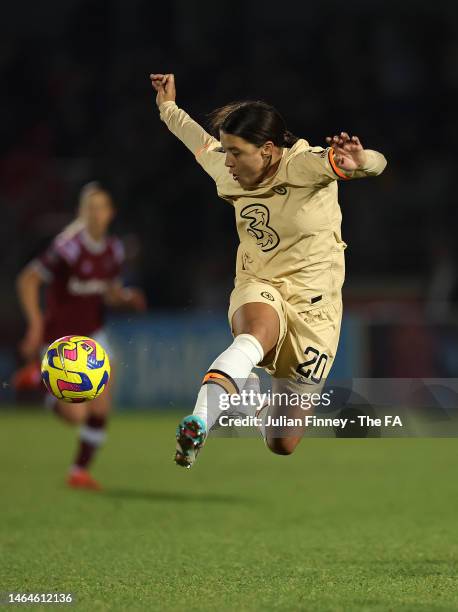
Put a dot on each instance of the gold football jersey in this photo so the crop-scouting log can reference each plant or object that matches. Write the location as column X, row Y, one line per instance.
column 289, row 225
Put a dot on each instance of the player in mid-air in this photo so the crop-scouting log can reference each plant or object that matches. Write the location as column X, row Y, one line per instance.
column 285, row 310
column 81, row 269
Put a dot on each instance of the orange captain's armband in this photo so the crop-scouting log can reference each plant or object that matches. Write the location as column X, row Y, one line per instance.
column 340, row 173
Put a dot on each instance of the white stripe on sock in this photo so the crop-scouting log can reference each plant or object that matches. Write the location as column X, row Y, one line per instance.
column 95, row 437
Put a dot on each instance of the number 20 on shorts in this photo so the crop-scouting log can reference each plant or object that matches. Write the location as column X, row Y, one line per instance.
column 315, row 365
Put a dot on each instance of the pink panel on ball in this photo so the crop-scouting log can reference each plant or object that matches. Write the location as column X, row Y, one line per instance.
column 63, row 385
column 71, row 354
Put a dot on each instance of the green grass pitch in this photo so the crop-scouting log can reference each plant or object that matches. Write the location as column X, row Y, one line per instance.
column 342, row 525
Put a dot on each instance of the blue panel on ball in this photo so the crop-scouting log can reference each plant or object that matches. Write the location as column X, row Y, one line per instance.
column 93, row 364
column 85, row 384
column 104, row 381
column 50, row 355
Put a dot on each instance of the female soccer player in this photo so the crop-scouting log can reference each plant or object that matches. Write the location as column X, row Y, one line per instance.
column 82, row 271
column 285, row 310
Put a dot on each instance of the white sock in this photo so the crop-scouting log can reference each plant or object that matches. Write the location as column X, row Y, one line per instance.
column 236, row 362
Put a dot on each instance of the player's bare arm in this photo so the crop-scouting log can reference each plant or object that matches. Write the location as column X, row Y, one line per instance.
column 28, row 285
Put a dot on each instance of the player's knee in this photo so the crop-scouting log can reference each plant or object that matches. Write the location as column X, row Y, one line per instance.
column 281, row 446
column 100, row 407
column 71, row 413
column 100, row 411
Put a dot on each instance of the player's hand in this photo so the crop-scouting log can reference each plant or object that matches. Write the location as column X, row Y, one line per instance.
column 164, row 84
column 32, row 342
column 349, row 153
column 135, row 299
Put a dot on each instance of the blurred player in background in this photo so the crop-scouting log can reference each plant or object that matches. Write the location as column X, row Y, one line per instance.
column 81, row 270
column 285, row 310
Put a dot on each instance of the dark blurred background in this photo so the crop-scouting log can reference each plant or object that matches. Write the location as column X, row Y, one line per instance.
column 77, row 106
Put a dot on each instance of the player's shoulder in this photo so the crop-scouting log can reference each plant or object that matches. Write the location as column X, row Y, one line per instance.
column 310, row 165
column 67, row 244
column 302, row 149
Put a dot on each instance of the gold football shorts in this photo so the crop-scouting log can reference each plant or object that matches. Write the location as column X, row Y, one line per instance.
column 308, row 338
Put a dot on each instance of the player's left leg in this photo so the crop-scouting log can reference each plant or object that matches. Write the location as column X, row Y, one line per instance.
column 226, row 376
column 257, row 322
column 256, row 329
column 92, row 435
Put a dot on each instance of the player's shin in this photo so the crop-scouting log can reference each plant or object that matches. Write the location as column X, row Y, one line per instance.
column 92, row 436
column 227, row 376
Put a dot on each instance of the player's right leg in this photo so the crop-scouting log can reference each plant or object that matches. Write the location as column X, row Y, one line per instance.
column 256, row 328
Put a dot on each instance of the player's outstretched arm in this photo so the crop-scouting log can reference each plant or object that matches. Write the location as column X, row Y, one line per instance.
column 177, row 120
column 351, row 157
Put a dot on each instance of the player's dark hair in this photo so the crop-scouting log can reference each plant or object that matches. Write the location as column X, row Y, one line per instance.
column 254, row 121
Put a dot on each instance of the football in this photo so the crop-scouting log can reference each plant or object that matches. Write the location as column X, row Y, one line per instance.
column 75, row 369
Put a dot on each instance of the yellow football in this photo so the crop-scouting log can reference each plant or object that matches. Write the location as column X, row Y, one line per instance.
column 75, row 369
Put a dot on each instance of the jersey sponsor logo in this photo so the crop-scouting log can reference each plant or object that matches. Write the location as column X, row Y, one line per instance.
column 94, row 286
column 268, row 296
column 259, row 229
column 281, row 190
